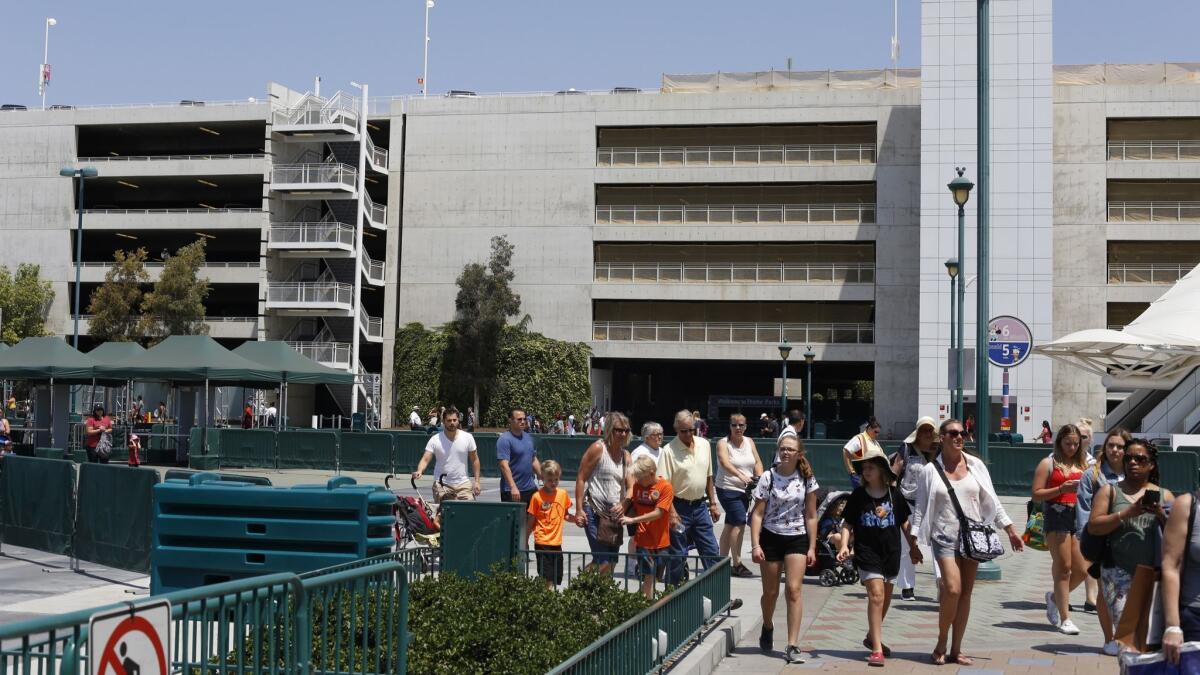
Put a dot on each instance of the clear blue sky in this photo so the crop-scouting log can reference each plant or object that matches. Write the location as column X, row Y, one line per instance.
column 128, row 51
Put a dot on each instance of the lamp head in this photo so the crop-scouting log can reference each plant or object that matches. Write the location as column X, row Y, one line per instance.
column 960, row 187
column 51, row 22
column 67, row 172
column 428, row 4
column 89, row 172
column 785, row 348
column 952, row 267
column 809, row 356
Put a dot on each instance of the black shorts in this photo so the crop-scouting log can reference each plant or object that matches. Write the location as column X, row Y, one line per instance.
column 526, row 496
column 550, row 565
column 1058, row 517
column 776, row 546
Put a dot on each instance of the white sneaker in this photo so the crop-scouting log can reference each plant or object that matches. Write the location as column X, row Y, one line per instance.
column 1068, row 628
column 1112, row 648
column 1052, row 610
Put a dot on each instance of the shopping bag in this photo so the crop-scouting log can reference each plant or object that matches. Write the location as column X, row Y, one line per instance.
column 1155, row 664
column 1035, row 534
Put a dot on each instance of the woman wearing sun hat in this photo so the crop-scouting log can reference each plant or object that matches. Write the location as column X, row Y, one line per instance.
column 916, row 451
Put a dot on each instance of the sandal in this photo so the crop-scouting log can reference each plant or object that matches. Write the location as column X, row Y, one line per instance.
column 962, row 660
column 938, row 658
column 887, row 651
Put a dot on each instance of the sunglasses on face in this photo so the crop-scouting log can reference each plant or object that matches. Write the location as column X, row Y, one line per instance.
column 1137, row 459
column 620, row 430
column 952, row 433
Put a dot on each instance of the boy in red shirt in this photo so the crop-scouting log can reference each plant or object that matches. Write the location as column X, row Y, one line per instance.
column 547, row 512
column 652, row 497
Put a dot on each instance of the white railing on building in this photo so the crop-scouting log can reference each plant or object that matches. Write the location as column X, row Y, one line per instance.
column 318, row 233
column 314, row 111
column 717, row 272
column 767, row 333
column 737, row 155
column 310, row 292
column 372, row 326
column 1180, row 151
column 328, row 353
column 188, row 210
column 378, row 156
column 323, row 173
column 169, row 158
column 1154, row 211
column 208, row 319
column 735, row 214
column 1148, row 273
column 155, row 264
column 376, row 213
column 373, row 268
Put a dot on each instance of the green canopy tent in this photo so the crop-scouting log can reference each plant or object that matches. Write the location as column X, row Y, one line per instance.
column 48, row 359
column 293, row 366
column 114, row 352
column 192, row 359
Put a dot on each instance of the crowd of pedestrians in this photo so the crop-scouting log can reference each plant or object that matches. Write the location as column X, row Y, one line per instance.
column 931, row 502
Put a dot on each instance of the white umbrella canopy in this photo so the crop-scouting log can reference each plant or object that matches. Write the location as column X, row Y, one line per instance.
column 1155, row 351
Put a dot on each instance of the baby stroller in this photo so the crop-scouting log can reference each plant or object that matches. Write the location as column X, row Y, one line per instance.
column 416, row 525
column 828, row 569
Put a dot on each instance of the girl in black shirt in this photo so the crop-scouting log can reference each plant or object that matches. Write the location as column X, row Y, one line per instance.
column 877, row 516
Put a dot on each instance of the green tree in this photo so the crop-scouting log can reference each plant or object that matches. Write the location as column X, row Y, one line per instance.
column 115, row 305
column 25, row 300
column 176, row 305
column 483, row 306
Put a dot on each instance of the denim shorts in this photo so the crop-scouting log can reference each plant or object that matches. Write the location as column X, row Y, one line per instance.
column 1058, row 517
column 734, row 503
column 601, row 554
column 651, row 563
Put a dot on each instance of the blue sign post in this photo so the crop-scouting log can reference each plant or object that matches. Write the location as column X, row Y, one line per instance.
column 1009, row 344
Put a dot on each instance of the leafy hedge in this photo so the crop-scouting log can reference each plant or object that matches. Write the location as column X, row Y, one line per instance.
column 509, row 623
column 542, row 375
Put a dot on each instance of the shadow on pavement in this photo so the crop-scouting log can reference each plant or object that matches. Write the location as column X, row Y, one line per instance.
column 1069, row 650
column 1038, row 626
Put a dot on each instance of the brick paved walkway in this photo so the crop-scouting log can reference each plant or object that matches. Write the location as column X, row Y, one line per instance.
column 1007, row 633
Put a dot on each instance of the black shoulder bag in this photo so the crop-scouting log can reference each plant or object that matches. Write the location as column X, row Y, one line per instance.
column 978, row 540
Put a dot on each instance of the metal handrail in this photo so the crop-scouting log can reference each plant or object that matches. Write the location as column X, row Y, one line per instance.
column 186, row 210
column 323, row 172
column 1157, row 211
column 373, row 268
column 324, row 352
column 154, row 264
column 322, row 232
column 721, row 155
column 687, row 331
column 734, row 272
column 373, row 326
column 1178, row 150
column 209, row 319
column 379, row 156
column 168, row 158
column 727, row 214
column 313, row 110
column 376, row 213
column 1148, row 273
column 310, row 292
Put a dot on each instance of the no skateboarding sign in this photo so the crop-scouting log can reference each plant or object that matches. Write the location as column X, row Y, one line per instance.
column 132, row 641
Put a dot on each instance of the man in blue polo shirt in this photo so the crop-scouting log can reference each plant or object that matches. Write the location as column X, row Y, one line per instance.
column 518, row 460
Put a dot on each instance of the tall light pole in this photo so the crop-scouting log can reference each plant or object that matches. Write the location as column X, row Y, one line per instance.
column 960, row 189
column 785, row 348
column 44, row 71
column 425, row 72
column 82, row 175
column 952, row 270
column 983, row 397
column 809, row 356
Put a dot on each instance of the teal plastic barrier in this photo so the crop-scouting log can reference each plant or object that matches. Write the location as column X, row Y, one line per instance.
column 366, row 452
column 566, row 450
column 247, row 448
column 1179, row 471
column 115, row 531
column 39, row 503
column 407, row 448
column 306, row 449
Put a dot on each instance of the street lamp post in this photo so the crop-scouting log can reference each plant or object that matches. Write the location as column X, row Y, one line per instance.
column 982, row 312
column 785, row 348
column 44, row 73
column 960, row 189
column 425, row 71
column 809, row 356
column 955, row 348
column 82, row 175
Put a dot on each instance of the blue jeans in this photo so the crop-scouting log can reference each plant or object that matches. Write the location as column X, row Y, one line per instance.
column 697, row 529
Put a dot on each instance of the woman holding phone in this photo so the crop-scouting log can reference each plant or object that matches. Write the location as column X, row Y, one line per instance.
column 1129, row 514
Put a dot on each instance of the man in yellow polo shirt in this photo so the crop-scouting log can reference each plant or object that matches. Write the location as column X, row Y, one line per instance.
column 687, row 462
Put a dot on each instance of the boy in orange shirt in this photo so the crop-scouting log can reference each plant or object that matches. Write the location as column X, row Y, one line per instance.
column 547, row 512
column 652, row 497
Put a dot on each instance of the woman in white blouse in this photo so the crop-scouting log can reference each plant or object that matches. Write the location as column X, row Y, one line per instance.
column 936, row 524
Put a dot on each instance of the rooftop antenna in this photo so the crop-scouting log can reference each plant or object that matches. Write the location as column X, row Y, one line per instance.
column 789, row 64
column 317, row 86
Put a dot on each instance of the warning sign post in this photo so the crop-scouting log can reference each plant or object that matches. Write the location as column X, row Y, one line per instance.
column 131, row 641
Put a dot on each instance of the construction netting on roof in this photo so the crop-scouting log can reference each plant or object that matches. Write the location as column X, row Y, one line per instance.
column 1128, row 73
column 791, row 80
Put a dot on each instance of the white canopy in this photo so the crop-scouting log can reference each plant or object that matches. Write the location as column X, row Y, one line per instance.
column 1156, row 351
